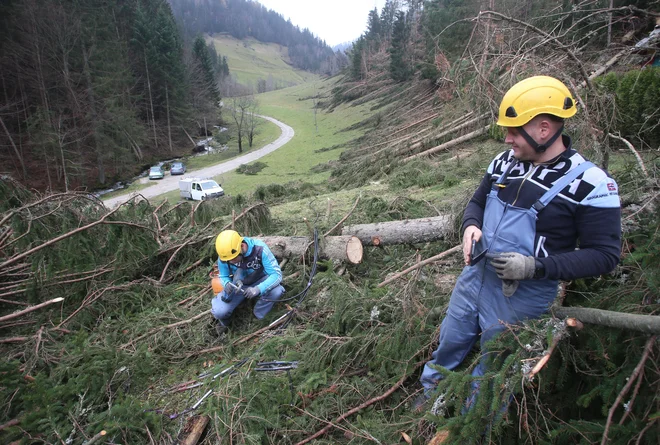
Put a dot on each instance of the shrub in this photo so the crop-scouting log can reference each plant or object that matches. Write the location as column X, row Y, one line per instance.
column 251, row 169
column 637, row 94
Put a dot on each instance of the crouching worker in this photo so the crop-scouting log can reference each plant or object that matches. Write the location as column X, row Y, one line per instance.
column 248, row 270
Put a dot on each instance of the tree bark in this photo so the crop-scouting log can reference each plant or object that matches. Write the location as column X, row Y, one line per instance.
column 16, row 151
column 345, row 248
column 151, row 100
column 401, row 232
column 169, row 128
column 30, row 309
column 199, row 424
column 449, row 144
column 94, row 116
column 649, row 324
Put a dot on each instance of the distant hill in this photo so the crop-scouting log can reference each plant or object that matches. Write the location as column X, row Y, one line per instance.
column 259, row 66
column 341, row 47
column 245, row 18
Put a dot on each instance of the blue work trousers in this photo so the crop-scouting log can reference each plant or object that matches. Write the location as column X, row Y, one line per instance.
column 222, row 310
column 476, row 309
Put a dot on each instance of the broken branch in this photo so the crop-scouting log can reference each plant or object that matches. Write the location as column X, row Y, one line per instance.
column 31, row 309
column 421, row 264
column 638, row 369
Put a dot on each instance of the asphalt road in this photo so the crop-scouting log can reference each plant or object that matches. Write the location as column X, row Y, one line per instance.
column 170, row 183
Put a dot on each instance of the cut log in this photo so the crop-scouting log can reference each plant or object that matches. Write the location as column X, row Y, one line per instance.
column 649, row 324
column 401, row 232
column 345, row 248
column 198, row 425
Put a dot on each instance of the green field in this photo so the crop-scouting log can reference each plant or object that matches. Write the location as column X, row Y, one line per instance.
column 250, row 60
column 292, row 162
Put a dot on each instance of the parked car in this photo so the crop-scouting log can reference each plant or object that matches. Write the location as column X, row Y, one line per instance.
column 156, row 172
column 178, row 168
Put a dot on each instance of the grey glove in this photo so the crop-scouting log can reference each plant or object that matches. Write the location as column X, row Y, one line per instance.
column 512, row 265
column 251, row 292
column 234, row 287
column 509, row 287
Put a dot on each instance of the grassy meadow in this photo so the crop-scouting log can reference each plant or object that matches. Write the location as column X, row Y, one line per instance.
column 250, row 60
column 293, row 162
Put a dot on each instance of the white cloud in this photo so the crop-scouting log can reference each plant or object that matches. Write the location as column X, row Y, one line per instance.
column 335, row 21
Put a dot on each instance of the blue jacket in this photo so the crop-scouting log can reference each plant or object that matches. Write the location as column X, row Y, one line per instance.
column 588, row 211
column 258, row 265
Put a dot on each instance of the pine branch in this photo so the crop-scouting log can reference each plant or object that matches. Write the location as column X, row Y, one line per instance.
column 169, row 326
column 421, row 264
column 369, row 402
column 636, row 372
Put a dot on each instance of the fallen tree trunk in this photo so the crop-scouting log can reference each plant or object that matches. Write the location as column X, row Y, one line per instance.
column 449, row 144
column 345, row 248
column 451, row 129
column 649, row 324
column 401, row 232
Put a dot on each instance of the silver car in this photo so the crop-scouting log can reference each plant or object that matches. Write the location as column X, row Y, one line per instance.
column 178, row 168
column 156, row 172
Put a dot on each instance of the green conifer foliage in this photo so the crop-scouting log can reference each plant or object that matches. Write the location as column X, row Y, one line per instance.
column 637, row 95
column 204, row 59
column 400, row 68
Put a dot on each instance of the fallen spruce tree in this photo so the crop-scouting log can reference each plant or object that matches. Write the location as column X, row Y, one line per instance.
column 106, row 328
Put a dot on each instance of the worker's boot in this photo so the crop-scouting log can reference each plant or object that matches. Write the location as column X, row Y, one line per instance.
column 220, row 329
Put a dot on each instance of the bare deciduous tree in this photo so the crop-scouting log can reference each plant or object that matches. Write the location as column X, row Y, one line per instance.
column 240, row 107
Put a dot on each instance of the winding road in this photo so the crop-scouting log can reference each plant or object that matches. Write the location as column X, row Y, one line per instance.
column 170, row 183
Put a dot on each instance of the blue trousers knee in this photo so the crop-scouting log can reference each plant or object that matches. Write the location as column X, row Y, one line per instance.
column 476, row 309
column 222, row 311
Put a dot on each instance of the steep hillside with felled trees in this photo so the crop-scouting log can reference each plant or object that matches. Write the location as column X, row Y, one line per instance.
column 104, row 323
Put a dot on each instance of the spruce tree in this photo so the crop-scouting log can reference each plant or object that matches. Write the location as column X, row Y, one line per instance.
column 202, row 56
column 400, row 69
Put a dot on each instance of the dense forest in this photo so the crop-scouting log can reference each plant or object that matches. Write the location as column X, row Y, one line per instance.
column 92, row 91
column 243, row 18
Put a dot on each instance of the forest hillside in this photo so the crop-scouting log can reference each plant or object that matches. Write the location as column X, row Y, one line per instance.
column 105, row 327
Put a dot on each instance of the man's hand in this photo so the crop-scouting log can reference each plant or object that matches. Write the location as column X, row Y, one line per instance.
column 471, row 233
column 251, row 292
column 512, row 265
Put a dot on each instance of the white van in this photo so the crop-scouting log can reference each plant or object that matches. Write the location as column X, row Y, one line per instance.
column 199, row 189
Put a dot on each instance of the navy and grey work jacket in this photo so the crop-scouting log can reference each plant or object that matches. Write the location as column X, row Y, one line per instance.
column 587, row 213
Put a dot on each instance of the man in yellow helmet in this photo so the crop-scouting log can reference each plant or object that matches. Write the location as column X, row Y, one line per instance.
column 537, row 202
column 247, row 269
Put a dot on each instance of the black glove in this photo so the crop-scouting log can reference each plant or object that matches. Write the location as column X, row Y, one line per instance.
column 251, row 292
column 512, row 265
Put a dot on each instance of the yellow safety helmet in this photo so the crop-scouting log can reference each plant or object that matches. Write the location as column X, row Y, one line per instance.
column 228, row 245
column 533, row 96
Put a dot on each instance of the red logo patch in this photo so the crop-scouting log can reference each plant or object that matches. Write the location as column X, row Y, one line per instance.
column 611, row 187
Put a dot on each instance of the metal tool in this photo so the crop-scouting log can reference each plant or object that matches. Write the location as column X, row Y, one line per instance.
column 474, row 259
column 276, row 366
column 235, row 289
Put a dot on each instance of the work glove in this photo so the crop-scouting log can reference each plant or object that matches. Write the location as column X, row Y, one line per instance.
column 251, row 292
column 226, row 296
column 512, row 265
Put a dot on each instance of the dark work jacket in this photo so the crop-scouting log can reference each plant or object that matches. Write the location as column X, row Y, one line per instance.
column 586, row 214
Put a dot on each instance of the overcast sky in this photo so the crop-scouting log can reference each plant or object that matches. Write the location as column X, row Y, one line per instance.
column 335, row 21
